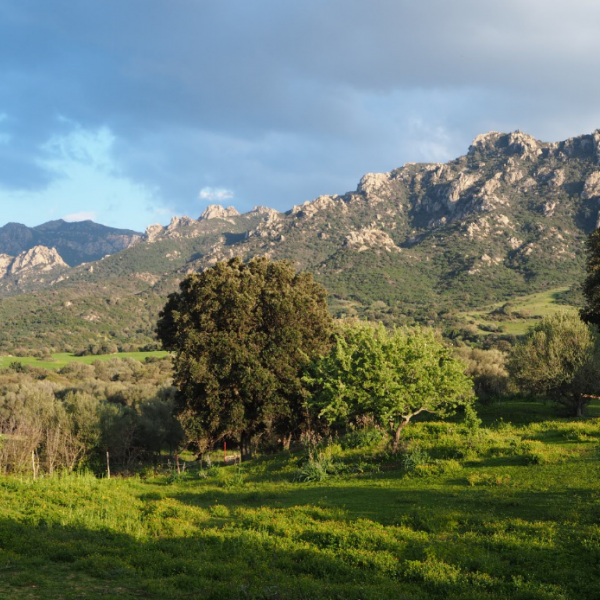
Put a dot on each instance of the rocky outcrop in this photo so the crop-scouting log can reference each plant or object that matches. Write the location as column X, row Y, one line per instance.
column 264, row 210
column 458, row 187
column 524, row 145
column 370, row 238
column 216, row 211
column 311, row 207
column 485, row 142
column 591, row 187
column 517, row 142
column 5, row 262
column 178, row 228
column 373, row 186
column 37, row 260
column 153, row 232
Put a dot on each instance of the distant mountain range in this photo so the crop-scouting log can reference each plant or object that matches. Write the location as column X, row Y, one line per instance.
column 79, row 242
column 510, row 217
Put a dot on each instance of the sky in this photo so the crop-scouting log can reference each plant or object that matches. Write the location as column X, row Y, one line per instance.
column 129, row 112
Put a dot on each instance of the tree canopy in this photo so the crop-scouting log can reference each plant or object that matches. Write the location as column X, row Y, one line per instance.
column 389, row 375
column 591, row 286
column 559, row 358
column 241, row 334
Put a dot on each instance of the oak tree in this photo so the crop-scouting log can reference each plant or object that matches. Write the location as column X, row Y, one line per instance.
column 241, row 335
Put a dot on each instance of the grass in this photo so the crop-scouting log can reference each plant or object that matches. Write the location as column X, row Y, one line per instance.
column 61, row 359
column 509, row 511
column 538, row 305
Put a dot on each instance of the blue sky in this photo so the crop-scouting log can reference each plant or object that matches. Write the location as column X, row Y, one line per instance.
column 128, row 112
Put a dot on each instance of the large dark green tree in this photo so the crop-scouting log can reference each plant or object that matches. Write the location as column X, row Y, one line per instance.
column 241, row 334
column 591, row 286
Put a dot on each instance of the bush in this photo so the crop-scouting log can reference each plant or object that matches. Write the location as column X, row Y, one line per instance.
column 362, row 438
column 487, row 368
column 320, row 466
column 559, row 358
column 413, row 458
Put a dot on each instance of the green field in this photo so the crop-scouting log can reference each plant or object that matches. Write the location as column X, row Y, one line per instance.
column 538, row 305
column 510, row 511
column 60, row 360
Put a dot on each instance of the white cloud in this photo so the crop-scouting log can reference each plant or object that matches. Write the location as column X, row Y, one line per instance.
column 80, row 216
column 215, row 194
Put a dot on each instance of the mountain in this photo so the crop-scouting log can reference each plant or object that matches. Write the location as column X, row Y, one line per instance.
column 421, row 242
column 76, row 243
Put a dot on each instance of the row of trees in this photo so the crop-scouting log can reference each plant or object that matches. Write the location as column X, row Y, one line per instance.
column 257, row 357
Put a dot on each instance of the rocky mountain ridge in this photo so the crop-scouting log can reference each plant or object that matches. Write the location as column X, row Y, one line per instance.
column 509, row 217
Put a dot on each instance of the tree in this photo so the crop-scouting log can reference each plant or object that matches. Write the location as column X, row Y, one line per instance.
column 241, row 334
column 591, row 286
column 389, row 375
column 559, row 358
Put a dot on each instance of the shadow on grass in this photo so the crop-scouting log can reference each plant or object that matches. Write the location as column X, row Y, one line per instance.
column 317, row 542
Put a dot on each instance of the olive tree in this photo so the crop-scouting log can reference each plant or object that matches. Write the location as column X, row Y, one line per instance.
column 559, row 358
column 391, row 376
column 241, row 335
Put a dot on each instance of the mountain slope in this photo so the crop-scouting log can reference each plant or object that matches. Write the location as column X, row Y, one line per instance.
column 508, row 218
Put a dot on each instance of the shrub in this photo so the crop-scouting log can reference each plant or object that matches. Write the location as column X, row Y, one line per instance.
column 362, row 438
column 413, row 458
column 559, row 358
column 487, row 368
column 320, row 466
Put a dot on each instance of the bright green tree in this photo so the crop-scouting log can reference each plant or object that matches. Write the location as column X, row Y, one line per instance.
column 389, row 375
column 241, row 334
column 559, row 358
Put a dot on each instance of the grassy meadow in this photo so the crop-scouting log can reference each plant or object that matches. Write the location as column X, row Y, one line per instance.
column 537, row 306
column 59, row 360
column 507, row 511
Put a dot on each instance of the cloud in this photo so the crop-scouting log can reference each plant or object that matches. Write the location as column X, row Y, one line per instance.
column 80, row 216
column 215, row 194
column 280, row 101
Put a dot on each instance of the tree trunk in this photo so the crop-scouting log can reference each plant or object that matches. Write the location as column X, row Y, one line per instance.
column 398, row 433
column 245, row 447
column 579, row 406
column 287, row 440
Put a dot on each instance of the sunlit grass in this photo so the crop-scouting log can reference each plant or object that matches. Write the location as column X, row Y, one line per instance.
column 508, row 511
column 61, row 359
column 538, row 305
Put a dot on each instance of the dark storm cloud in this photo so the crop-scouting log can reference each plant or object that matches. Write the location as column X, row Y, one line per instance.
column 281, row 101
